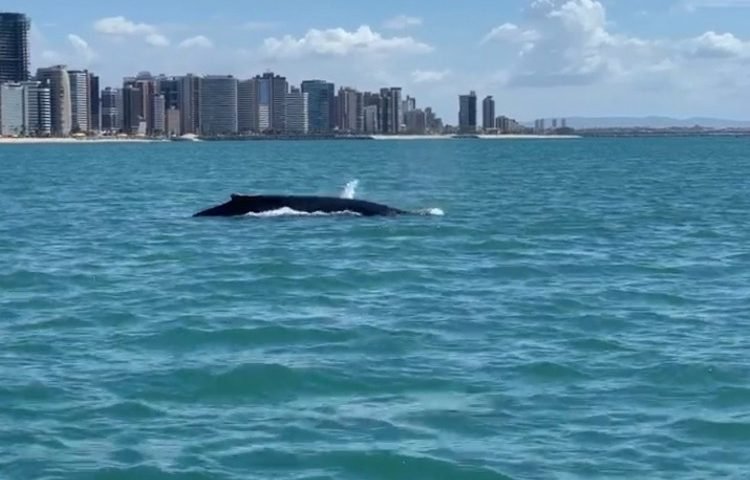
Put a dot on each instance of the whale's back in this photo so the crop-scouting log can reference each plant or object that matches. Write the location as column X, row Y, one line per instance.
column 246, row 204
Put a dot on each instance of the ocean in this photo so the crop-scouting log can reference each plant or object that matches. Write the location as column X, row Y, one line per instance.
column 580, row 310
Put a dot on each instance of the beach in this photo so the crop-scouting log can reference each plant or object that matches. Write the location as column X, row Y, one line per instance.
column 70, row 140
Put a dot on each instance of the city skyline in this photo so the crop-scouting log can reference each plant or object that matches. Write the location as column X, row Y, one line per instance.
column 59, row 101
column 678, row 58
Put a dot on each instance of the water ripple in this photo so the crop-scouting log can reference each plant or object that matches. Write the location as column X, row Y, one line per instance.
column 578, row 312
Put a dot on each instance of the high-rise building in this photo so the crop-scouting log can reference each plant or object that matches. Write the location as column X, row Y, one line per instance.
column 467, row 114
column 370, row 98
column 321, row 106
column 147, row 86
column 408, row 105
column 350, row 110
column 11, row 109
column 95, row 117
column 264, row 118
column 57, row 80
column 174, row 123
column 80, row 96
column 111, row 110
column 169, row 87
column 25, row 109
column 390, row 110
column 160, row 114
column 507, row 125
column 371, row 119
column 132, row 109
column 434, row 124
column 540, row 126
column 297, row 120
column 189, row 103
column 38, row 114
column 416, row 122
column 488, row 113
column 218, row 105
column 247, row 106
column 272, row 90
column 14, row 47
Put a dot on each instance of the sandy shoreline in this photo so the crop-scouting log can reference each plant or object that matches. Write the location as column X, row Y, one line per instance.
column 68, row 141
column 21, row 141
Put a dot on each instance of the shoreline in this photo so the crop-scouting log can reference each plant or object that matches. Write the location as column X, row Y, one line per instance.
column 276, row 138
column 100, row 140
column 474, row 137
column 66, row 140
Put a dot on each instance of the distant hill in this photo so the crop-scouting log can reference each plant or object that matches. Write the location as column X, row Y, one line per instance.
column 652, row 122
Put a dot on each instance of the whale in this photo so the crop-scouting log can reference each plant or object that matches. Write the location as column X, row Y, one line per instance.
column 240, row 205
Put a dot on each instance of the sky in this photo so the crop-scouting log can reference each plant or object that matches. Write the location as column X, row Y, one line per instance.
column 537, row 58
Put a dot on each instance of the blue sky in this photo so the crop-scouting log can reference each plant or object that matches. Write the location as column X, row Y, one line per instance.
column 538, row 58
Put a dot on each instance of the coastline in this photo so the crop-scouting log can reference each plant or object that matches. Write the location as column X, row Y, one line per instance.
column 374, row 137
column 474, row 137
column 101, row 140
column 68, row 140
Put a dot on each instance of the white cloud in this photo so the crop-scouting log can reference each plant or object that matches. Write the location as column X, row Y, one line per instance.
column 566, row 42
column 402, row 22
column 340, row 42
column 569, row 42
column 511, row 33
column 429, row 76
column 82, row 49
column 157, row 40
column 715, row 45
column 122, row 26
column 199, row 41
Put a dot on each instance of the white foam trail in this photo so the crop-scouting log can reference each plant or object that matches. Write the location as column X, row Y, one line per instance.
column 350, row 190
column 288, row 212
column 435, row 212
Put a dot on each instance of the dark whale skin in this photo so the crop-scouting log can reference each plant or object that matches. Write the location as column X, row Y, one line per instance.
column 244, row 204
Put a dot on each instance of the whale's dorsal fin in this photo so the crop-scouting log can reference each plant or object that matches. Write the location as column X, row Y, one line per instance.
column 235, row 196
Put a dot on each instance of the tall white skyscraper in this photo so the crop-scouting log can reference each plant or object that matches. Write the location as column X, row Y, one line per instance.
column 12, row 109
column 218, row 105
column 37, row 110
column 350, row 110
column 160, row 114
column 80, row 98
column 264, row 117
column 25, row 109
column 297, row 121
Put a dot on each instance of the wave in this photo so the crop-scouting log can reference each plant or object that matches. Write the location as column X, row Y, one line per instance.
column 433, row 212
column 289, row 212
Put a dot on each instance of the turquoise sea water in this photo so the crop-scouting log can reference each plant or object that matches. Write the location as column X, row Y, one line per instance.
column 580, row 311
